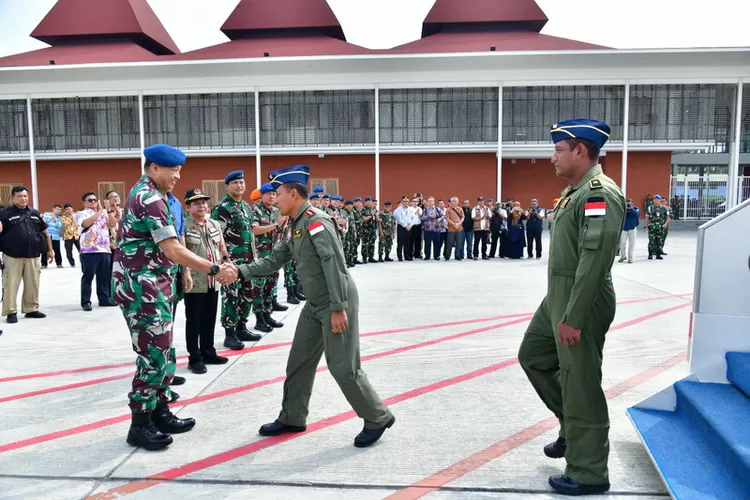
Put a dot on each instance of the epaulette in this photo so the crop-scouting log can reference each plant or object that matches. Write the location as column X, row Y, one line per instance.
column 309, row 213
column 595, row 184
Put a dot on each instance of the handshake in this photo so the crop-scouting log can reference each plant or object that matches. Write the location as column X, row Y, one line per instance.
column 228, row 273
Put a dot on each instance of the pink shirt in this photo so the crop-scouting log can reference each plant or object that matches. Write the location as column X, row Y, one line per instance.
column 95, row 239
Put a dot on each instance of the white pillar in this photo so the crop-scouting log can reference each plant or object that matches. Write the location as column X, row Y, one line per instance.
column 257, row 138
column 625, row 134
column 499, row 142
column 734, row 157
column 141, row 129
column 377, row 145
column 685, row 198
column 32, row 155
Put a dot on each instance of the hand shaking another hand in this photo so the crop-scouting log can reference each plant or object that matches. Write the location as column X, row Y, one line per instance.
column 228, row 274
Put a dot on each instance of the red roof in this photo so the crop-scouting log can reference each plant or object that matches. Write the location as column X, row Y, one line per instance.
column 511, row 41
column 83, row 21
column 276, row 47
column 82, row 54
column 524, row 14
column 259, row 17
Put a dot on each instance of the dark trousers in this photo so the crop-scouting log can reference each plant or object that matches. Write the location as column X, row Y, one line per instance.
column 432, row 240
column 200, row 314
column 497, row 243
column 69, row 244
column 58, row 254
column 468, row 239
column 95, row 264
column 534, row 236
column 416, row 240
column 480, row 237
column 452, row 240
column 403, row 243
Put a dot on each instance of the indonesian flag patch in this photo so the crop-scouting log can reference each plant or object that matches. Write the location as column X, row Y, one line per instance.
column 315, row 228
column 595, row 207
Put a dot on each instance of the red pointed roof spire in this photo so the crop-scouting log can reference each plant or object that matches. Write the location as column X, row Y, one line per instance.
column 484, row 15
column 263, row 18
column 75, row 21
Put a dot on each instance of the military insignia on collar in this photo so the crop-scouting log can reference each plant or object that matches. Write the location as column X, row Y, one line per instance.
column 297, row 233
column 310, row 213
column 595, row 184
column 564, row 203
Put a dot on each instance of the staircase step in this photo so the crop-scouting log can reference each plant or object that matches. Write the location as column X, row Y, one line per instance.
column 702, row 450
column 738, row 370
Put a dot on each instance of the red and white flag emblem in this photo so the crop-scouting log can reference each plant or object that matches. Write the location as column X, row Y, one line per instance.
column 315, row 228
column 593, row 208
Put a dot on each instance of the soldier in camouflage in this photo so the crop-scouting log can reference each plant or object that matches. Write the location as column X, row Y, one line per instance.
column 369, row 231
column 143, row 285
column 386, row 230
column 234, row 216
column 265, row 228
column 357, row 212
column 350, row 236
column 657, row 221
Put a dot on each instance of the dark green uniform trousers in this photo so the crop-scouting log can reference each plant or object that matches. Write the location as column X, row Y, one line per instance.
column 312, row 338
column 568, row 379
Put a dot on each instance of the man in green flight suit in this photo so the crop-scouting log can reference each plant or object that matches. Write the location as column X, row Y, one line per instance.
column 328, row 322
column 561, row 351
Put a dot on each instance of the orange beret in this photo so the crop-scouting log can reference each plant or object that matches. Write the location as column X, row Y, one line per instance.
column 255, row 195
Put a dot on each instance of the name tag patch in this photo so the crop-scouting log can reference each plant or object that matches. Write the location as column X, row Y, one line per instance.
column 595, row 207
column 315, row 228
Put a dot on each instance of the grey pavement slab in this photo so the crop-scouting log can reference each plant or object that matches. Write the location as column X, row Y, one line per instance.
column 451, row 312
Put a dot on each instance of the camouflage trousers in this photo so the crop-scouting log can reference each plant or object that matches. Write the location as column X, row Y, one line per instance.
column 236, row 303
column 150, row 328
column 290, row 274
column 263, row 293
column 350, row 248
column 656, row 237
column 385, row 245
column 369, row 235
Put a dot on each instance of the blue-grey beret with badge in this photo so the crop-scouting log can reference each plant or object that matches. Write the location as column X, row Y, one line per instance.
column 297, row 173
column 233, row 176
column 355, row 200
column 581, row 128
column 164, row 155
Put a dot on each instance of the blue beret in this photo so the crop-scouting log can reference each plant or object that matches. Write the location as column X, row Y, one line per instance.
column 337, row 198
column 233, row 176
column 368, row 198
column 297, row 173
column 326, row 196
column 319, row 189
column 658, row 197
column 314, row 196
column 581, row 128
column 267, row 188
column 164, row 156
column 357, row 199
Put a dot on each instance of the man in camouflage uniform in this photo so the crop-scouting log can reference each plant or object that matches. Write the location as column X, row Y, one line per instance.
column 143, row 285
column 657, row 221
column 266, row 227
column 234, row 216
column 357, row 212
column 386, row 230
column 369, row 231
column 350, row 236
column 337, row 206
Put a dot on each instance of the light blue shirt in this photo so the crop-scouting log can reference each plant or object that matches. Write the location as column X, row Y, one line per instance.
column 54, row 226
column 178, row 213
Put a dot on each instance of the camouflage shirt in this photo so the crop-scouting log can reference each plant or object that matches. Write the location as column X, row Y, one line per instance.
column 368, row 225
column 387, row 223
column 235, row 218
column 265, row 217
column 142, row 272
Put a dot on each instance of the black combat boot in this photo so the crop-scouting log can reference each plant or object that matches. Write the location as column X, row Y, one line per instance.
column 372, row 260
column 144, row 433
column 272, row 322
column 556, row 449
column 260, row 323
column 291, row 297
column 278, row 307
column 246, row 335
column 168, row 423
column 231, row 341
column 369, row 437
column 299, row 292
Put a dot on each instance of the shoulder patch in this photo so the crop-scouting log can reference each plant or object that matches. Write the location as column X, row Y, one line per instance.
column 595, row 206
column 309, row 213
column 595, row 184
column 315, row 228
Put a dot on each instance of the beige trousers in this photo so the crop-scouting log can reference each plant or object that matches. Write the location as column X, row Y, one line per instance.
column 17, row 270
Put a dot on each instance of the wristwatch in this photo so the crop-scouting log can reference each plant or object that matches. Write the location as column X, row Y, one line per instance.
column 214, row 270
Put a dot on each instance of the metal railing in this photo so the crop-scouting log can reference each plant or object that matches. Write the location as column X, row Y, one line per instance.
column 703, row 196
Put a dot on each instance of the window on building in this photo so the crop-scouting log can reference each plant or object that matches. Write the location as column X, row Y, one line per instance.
column 331, row 186
column 13, row 127
column 5, row 189
column 215, row 189
column 107, row 186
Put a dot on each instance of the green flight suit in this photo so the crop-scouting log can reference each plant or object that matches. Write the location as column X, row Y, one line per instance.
column 313, row 244
column 584, row 239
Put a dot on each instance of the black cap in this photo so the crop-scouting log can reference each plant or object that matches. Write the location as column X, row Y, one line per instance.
column 195, row 194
